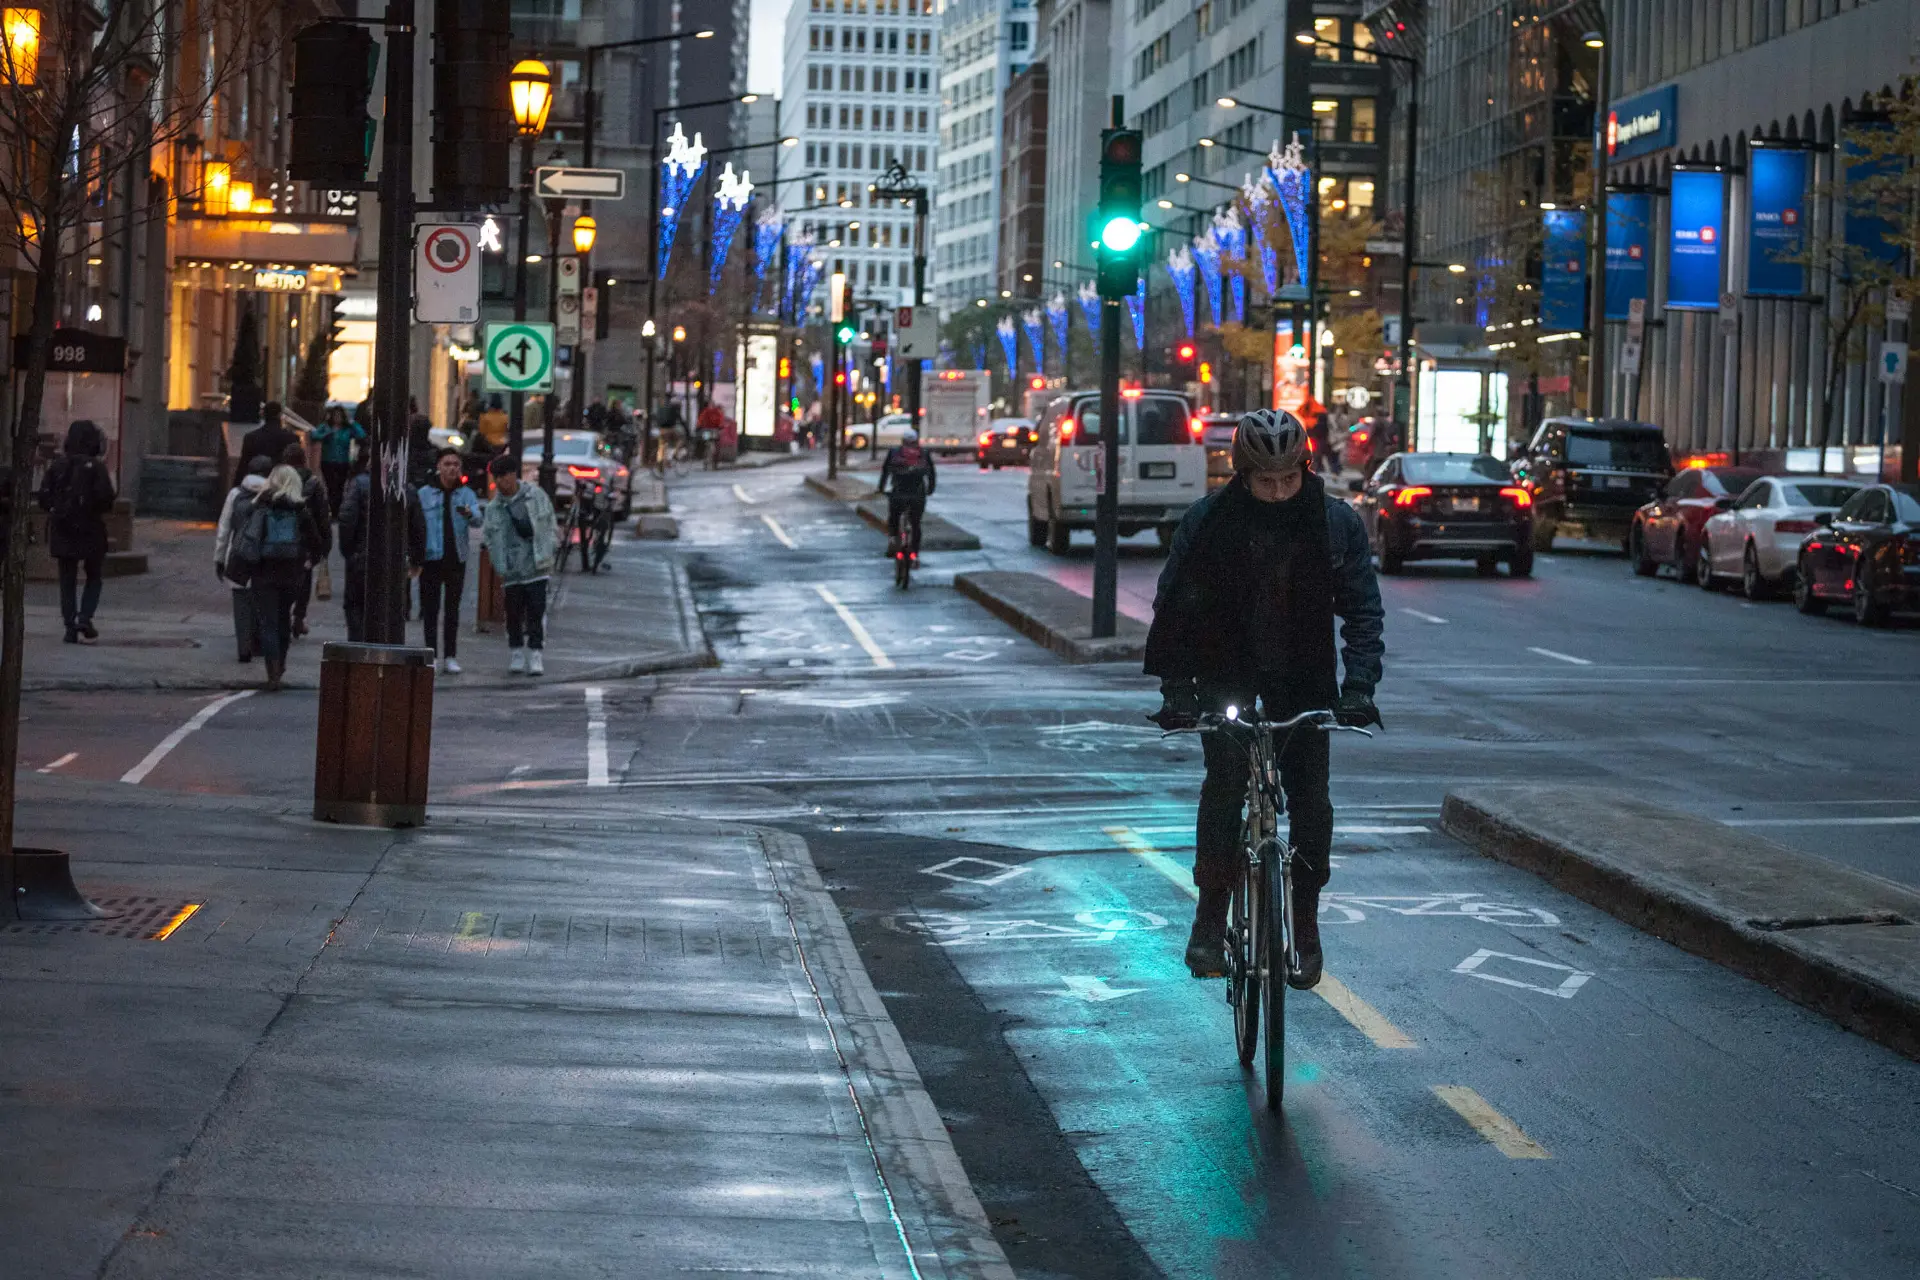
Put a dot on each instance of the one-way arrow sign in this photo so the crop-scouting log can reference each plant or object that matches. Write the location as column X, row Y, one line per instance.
column 592, row 184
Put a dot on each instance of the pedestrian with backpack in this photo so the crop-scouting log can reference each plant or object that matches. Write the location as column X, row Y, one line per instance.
column 76, row 494
column 246, row 629
column 521, row 539
column 315, row 492
column 271, row 554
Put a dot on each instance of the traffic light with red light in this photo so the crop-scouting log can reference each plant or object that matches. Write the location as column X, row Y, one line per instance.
column 1184, row 356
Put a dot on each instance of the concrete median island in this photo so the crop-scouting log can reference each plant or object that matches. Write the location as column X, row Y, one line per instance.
column 1843, row 943
column 1052, row 616
column 937, row 533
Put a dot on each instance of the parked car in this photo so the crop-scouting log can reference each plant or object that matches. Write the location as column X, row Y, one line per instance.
column 1668, row 529
column 1866, row 554
column 1756, row 537
column 1163, row 466
column 581, row 455
column 1006, row 443
column 1216, row 433
column 1448, row 506
column 888, row 428
column 1589, row 475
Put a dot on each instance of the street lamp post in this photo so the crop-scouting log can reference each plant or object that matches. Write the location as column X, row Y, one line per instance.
column 1597, row 238
column 895, row 185
column 531, row 90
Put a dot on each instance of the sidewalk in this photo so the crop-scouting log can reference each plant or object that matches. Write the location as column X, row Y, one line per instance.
column 172, row 628
column 497, row 1046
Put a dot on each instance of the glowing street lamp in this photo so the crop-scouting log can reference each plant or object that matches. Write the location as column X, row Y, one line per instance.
column 215, row 180
column 20, row 44
column 584, row 231
column 532, row 91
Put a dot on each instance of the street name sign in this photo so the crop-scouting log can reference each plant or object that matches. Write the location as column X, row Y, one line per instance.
column 588, row 184
column 446, row 273
column 519, row 356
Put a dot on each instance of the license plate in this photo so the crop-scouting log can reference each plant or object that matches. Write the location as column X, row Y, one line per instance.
column 1156, row 471
column 1617, row 482
column 1457, row 505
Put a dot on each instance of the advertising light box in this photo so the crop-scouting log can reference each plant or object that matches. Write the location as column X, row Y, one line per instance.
column 1696, row 216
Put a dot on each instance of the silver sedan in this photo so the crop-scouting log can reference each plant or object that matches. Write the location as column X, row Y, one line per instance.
column 1756, row 537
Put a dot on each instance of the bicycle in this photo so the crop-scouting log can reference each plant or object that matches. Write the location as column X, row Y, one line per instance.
column 1261, row 911
column 674, row 457
column 589, row 523
column 900, row 544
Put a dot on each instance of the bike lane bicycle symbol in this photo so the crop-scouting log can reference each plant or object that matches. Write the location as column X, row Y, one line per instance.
column 1351, row 908
column 952, row 929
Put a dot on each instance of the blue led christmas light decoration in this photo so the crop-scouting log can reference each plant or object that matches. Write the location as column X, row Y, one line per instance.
column 767, row 230
column 1180, row 269
column 1057, row 317
column 1206, row 256
column 1035, row 325
column 1230, row 238
column 799, row 252
column 729, row 208
column 817, row 366
column 1090, row 304
column 1260, row 200
column 1137, row 312
column 1010, row 344
column 1293, row 183
column 682, row 165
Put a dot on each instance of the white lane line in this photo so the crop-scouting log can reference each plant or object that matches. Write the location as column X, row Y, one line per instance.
column 1910, row 820
column 596, row 736
column 860, row 634
column 1560, row 657
column 1424, row 617
column 773, row 526
column 138, row 773
column 1380, row 831
column 745, row 497
column 62, row 762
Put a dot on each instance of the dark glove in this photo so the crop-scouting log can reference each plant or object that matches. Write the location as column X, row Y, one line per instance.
column 1179, row 705
column 219, row 572
column 1356, row 709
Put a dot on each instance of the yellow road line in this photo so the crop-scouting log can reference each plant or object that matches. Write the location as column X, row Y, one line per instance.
column 745, row 497
column 1506, row 1136
column 1370, row 1021
column 180, row 917
column 860, row 633
column 774, row 527
column 1138, row 845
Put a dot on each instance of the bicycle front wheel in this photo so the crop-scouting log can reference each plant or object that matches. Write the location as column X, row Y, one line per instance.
column 602, row 539
column 1278, row 937
column 1243, row 963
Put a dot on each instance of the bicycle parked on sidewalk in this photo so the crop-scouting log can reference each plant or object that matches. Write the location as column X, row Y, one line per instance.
column 1261, row 956
column 590, row 521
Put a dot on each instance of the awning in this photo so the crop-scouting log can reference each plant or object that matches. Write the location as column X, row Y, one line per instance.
column 264, row 242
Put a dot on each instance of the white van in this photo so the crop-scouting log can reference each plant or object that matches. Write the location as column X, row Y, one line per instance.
column 1163, row 466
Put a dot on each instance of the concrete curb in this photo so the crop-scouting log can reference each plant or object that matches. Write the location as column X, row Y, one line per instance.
column 842, row 488
column 938, row 1212
column 1052, row 616
column 1838, row 941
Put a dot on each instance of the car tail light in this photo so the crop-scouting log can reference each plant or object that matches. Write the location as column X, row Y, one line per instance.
column 986, row 437
column 1067, row 429
column 1520, row 497
column 1410, row 495
column 1196, row 427
column 583, row 473
column 1794, row 526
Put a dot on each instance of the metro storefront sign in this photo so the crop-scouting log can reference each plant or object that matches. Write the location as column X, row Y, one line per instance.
column 1643, row 124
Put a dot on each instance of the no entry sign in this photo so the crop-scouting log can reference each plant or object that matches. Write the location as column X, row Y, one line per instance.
column 446, row 273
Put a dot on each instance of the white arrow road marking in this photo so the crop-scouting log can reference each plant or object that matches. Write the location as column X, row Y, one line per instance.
column 1557, row 656
column 1569, row 986
column 1424, row 617
column 138, row 773
column 1081, row 986
column 773, row 527
column 596, row 737
column 741, row 493
column 860, row 633
column 61, row 763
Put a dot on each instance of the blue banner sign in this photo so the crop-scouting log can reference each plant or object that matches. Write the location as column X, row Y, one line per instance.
column 1872, row 212
column 1643, row 124
column 1776, row 226
column 1695, row 213
column 1629, row 249
column 1563, row 270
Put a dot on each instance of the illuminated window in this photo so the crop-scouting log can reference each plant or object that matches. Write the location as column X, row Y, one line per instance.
column 1363, row 38
column 1326, row 118
column 1362, row 127
column 1360, row 196
column 1326, row 29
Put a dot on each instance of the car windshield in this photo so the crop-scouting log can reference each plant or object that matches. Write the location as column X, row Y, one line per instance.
column 1734, row 483
column 1455, row 468
column 1906, row 501
column 1806, row 494
column 1636, row 450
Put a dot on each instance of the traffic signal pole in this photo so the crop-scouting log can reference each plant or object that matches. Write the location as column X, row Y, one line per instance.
column 387, row 532
column 1118, row 273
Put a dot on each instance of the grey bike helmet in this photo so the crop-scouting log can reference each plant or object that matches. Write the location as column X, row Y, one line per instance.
column 1269, row 440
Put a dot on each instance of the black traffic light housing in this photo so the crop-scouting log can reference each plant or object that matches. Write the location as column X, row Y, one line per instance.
column 473, row 127
column 333, row 68
column 1118, row 251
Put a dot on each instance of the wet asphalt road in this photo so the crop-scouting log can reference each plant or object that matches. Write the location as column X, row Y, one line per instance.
column 1518, row 1086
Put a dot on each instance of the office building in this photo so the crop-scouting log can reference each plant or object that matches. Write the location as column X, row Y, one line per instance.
column 1023, row 184
column 984, row 44
column 1075, row 40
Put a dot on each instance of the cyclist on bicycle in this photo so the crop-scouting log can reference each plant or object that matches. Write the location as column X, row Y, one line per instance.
column 1255, row 575
column 909, row 469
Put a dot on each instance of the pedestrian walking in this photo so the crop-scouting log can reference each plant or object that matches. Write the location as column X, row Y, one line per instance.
column 448, row 509
column 246, row 629
column 420, row 449
column 268, row 440
column 355, row 505
column 76, row 494
column 337, row 436
column 521, row 538
column 272, row 553
column 494, row 423
column 315, row 495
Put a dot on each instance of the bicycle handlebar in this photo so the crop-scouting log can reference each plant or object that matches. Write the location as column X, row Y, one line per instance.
column 1324, row 720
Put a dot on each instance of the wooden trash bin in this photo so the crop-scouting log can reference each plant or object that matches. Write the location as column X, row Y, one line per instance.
column 490, row 597
column 375, row 735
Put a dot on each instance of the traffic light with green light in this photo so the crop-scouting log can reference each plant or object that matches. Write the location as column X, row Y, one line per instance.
column 843, row 334
column 1118, row 253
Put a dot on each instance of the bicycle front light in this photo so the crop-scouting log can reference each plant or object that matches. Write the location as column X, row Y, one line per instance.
column 1233, row 713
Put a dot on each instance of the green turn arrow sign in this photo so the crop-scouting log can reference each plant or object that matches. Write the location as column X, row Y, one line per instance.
column 519, row 357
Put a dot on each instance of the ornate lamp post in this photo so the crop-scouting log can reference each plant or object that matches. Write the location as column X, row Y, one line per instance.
column 531, row 90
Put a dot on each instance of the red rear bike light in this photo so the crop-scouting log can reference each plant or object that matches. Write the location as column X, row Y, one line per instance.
column 1521, row 498
column 1410, row 495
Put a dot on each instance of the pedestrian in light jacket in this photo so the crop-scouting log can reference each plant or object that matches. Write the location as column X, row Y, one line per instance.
column 246, row 629
column 448, row 509
column 276, row 567
column 522, row 539
column 77, row 493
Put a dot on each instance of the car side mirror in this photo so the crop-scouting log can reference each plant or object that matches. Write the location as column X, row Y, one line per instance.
column 1724, row 504
column 1823, row 518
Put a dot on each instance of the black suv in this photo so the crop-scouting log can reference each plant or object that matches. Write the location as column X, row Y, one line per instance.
column 1589, row 475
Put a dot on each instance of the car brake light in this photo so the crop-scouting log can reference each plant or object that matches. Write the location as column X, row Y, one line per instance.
column 1521, row 498
column 1067, row 429
column 583, row 473
column 1195, row 427
column 1794, row 526
column 1410, row 495
column 986, row 437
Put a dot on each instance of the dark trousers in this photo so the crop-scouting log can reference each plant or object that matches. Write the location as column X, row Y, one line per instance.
column 527, row 614
column 273, row 614
column 334, row 475
column 445, row 578
column 910, row 508
column 353, row 598
column 302, row 595
column 77, row 606
column 246, row 628
column 1305, row 763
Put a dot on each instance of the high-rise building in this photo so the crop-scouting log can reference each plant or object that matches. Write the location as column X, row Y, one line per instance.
column 1023, row 184
column 1075, row 35
column 984, row 43
column 859, row 90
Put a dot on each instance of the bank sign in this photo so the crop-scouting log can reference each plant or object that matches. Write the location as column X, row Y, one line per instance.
column 1695, row 211
column 1644, row 124
column 1776, row 226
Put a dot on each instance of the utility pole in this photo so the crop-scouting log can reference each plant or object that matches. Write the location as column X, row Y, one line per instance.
column 1117, row 271
column 387, row 532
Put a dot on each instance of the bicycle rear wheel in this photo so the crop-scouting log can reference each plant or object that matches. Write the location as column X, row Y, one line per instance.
column 1277, row 942
column 1243, row 969
column 602, row 539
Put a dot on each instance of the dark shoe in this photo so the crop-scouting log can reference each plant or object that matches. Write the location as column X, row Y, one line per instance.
column 274, row 671
column 1207, row 949
column 72, row 636
column 1306, row 938
column 87, row 632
